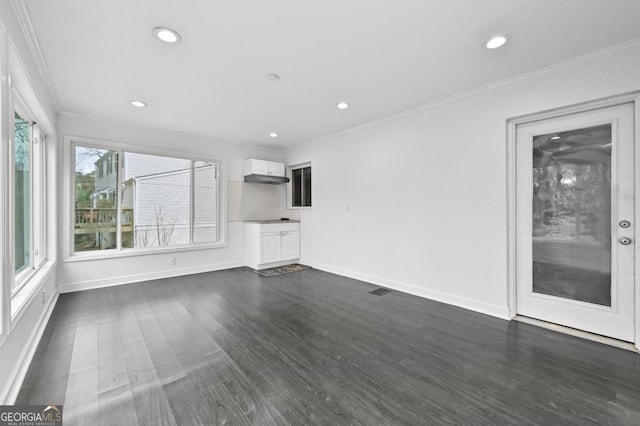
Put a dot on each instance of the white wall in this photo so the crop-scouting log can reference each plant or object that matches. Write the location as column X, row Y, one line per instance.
column 76, row 275
column 418, row 202
column 18, row 349
column 18, row 345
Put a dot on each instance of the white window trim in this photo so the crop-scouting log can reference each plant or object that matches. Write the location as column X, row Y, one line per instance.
column 21, row 289
column 70, row 142
column 40, row 228
column 5, row 227
column 20, row 279
column 290, row 169
column 37, row 218
column 22, row 298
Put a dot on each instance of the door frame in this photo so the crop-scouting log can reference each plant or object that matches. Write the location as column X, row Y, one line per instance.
column 512, row 123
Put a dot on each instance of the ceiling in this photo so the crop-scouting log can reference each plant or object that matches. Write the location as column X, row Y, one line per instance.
column 383, row 57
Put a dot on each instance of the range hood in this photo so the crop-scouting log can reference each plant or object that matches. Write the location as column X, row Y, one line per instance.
column 273, row 180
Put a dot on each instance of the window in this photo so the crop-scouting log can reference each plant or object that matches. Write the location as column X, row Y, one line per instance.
column 22, row 181
column 301, row 186
column 22, row 193
column 110, row 164
column 28, row 198
column 143, row 200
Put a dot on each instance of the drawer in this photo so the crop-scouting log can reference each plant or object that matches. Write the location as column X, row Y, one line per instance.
column 279, row 227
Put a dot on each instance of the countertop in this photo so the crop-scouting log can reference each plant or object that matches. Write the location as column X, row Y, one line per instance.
column 271, row 221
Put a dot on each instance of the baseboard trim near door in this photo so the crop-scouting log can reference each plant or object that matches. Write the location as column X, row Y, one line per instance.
column 578, row 333
column 416, row 290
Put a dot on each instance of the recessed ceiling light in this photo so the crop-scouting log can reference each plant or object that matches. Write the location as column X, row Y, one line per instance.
column 497, row 41
column 138, row 104
column 272, row 77
column 555, row 138
column 342, row 105
column 166, row 34
column 273, row 135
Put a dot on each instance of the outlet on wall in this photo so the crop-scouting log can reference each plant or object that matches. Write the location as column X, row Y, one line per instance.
column 173, row 261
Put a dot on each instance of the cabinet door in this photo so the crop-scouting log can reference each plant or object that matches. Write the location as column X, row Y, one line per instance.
column 276, row 169
column 290, row 245
column 270, row 247
column 259, row 167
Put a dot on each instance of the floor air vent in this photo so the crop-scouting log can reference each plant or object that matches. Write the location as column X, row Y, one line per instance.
column 380, row 291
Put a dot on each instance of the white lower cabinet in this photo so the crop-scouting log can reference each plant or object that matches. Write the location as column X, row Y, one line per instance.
column 271, row 244
column 290, row 245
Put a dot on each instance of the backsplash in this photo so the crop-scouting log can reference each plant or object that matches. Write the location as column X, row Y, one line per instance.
column 258, row 201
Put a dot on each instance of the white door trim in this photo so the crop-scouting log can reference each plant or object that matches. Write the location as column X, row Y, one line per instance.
column 512, row 123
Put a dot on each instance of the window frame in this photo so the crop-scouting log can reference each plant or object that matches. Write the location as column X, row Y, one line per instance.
column 37, row 195
column 70, row 255
column 290, row 186
column 17, row 91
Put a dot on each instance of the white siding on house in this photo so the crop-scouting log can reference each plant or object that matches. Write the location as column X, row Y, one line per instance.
column 162, row 206
column 107, row 178
column 205, row 202
column 127, row 195
column 162, row 209
column 136, row 165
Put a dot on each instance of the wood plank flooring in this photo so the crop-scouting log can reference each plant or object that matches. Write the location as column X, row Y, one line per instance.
column 312, row 348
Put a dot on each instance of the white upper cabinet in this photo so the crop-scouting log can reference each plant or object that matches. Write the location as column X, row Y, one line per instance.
column 256, row 167
column 263, row 167
column 276, row 169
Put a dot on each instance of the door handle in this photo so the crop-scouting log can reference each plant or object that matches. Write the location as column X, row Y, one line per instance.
column 625, row 241
column 624, row 224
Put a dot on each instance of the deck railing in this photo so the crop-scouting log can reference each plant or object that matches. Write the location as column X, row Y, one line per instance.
column 90, row 220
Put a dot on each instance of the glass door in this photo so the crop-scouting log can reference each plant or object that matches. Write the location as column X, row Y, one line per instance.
column 575, row 210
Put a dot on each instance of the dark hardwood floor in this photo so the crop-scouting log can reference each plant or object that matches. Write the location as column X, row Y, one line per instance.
column 232, row 347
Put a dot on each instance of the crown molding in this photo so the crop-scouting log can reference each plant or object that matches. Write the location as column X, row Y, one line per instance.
column 201, row 138
column 22, row 15
column 540, row 71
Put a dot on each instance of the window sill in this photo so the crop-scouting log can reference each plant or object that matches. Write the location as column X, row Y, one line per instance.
column 22, row 299
column 115, row 253
column 299, row 208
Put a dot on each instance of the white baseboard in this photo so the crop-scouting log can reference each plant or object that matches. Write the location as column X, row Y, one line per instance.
column 129, row 279
column 462, row 302
column 498, row 311
column 13, row 385
column 274, row 264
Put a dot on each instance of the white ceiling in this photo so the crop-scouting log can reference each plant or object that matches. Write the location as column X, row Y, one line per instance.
column 382, row 56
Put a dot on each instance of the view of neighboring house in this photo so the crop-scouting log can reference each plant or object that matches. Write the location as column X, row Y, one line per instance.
column 105, row 179
column 156, row 202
